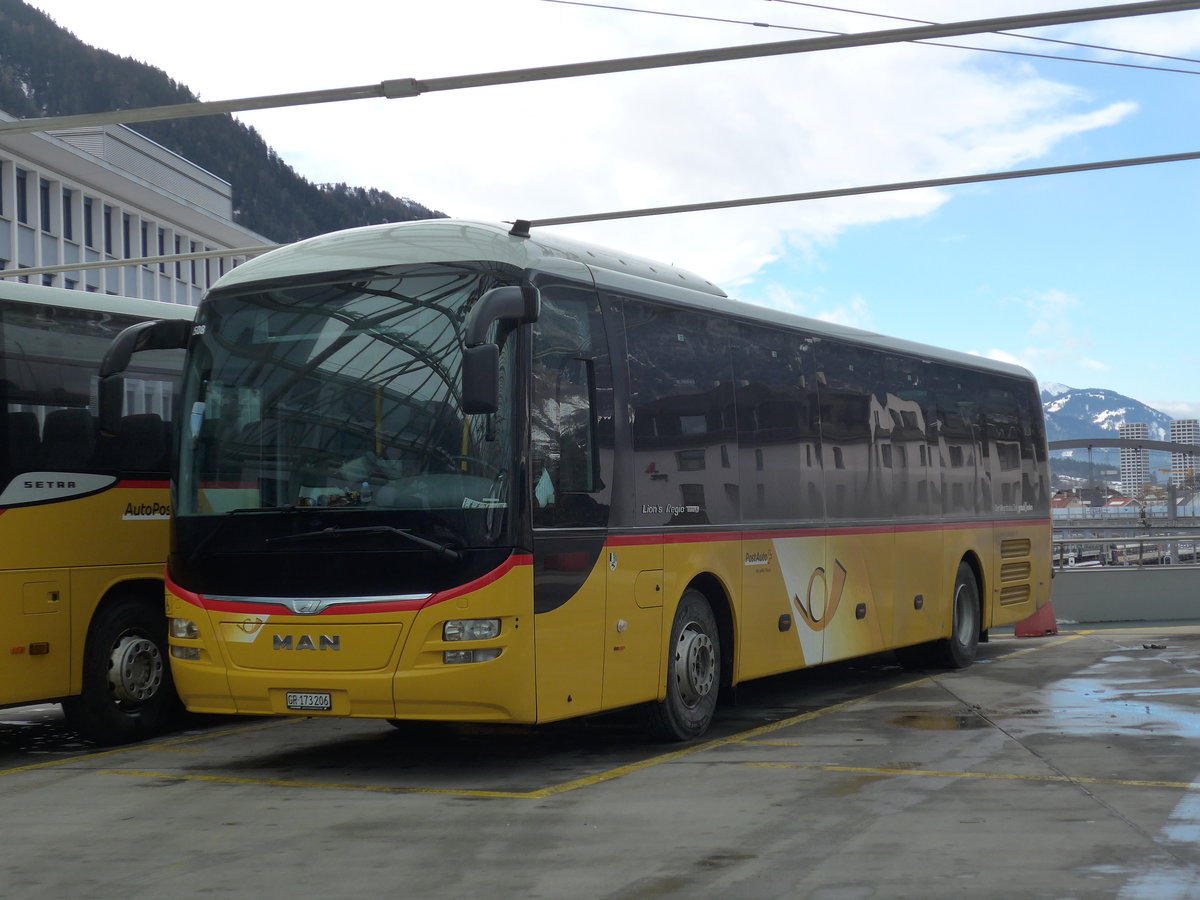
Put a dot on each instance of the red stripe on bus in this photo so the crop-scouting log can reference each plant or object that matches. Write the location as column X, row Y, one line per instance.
column 514, row 561
column 770, row 534
column 357, row 609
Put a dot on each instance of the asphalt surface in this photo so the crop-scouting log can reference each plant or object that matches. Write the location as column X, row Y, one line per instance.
column 1066, row 766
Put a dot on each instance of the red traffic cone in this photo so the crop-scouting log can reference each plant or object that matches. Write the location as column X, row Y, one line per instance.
column 1040, row 624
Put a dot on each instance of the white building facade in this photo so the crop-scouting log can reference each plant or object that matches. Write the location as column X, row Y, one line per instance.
column 1185, row 466
column 104, row 194
column 1135, row 464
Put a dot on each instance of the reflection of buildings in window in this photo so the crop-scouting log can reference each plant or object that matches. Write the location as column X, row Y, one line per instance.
column 690, row 460
column 692, row 495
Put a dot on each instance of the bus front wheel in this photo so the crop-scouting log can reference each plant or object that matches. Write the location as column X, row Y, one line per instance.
column 693, row 673
column 127, row 691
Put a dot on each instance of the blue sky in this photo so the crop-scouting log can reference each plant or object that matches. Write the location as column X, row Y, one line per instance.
column 1088, row 279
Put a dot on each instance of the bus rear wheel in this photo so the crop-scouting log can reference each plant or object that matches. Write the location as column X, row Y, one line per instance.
column 693, row 673
column 957, row 651
column 127, row 691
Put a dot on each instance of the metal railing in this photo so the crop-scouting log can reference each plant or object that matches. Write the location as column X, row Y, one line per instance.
column 1141, row 551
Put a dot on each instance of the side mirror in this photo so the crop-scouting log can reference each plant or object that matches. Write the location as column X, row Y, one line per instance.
column 112, row 403
column 517, row 304
column 159, row 334
column 480, row 377
column 481, row 361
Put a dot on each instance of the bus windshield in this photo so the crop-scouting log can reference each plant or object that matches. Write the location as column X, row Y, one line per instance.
column 344, row 395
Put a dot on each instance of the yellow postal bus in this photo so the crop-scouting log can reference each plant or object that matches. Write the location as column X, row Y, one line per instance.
column 83, row 515
column 448, row 471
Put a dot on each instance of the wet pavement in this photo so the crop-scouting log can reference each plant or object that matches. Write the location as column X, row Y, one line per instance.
column 1059, row 767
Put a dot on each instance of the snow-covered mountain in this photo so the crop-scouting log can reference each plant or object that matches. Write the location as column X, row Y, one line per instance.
column 1074, row 414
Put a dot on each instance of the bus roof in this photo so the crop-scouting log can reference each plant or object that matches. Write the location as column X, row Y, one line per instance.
column 454, row 240
column 94, row 302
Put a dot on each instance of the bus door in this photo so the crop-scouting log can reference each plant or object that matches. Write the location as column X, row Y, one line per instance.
column 571, row 413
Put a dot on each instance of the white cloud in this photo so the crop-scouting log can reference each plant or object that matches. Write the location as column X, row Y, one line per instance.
column 1176, row 409
column 853, row 312
column 693, row 134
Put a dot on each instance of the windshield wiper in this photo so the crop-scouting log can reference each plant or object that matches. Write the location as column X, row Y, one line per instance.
column 227, row 516
column 442, row 550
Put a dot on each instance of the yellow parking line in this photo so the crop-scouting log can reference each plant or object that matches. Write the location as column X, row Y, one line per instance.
column 540, row 793
column 325, row 785
column 930, row 773
column 748, row 736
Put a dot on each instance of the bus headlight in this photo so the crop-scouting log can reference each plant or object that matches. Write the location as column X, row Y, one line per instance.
column 470, row 629
column 192, row 653
column 457, row 657
column 184, row 629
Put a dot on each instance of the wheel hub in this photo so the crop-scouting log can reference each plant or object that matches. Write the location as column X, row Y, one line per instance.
column 695, row 666
column 135, row 671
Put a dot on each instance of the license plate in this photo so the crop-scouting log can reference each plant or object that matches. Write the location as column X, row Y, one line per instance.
column 314, row 701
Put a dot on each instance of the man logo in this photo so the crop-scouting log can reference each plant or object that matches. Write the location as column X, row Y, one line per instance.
column 305, row 642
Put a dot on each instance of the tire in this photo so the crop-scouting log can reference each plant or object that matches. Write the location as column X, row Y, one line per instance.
column 957, row 651
column 693, row 673
column 128, row 694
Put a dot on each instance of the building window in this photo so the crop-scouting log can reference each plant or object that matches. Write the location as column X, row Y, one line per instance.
column 145, row 240
column 68, row 220
column 125, row 225
column 88, row 232
column 162, row 249
column 22, row 197
column 108, row 229
column 44, row 204
column 178, row 264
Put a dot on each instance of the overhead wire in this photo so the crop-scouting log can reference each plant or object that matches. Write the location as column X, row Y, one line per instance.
column 997, row 50
column 405, row 88
column 1025, row 37
column 521, row 226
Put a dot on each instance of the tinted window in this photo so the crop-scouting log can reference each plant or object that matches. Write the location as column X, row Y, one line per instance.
column 571, row 413
column 855, row 432
column 51, row 357
column 779, row 446
column 958, row 428
column 682, row 408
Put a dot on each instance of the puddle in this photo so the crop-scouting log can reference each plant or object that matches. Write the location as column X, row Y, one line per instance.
column 1099, row 701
